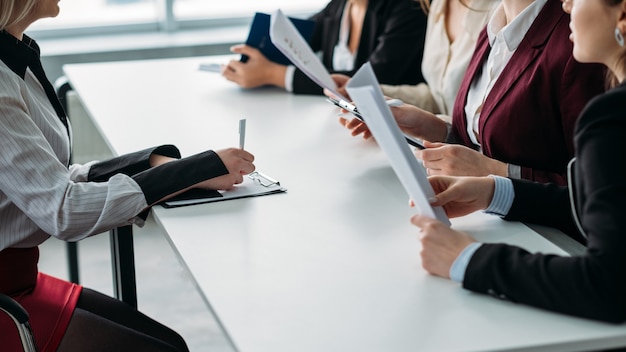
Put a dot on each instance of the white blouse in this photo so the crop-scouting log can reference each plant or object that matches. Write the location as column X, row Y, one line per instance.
column 444, row 63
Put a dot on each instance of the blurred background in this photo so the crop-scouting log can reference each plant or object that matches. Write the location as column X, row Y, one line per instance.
column 111, row 30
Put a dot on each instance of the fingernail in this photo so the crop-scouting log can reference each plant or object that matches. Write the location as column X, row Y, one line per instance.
column 432, row 200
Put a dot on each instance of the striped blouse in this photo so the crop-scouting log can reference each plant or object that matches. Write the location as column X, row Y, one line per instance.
column 40, row 195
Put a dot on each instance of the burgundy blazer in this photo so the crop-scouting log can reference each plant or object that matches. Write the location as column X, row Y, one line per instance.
column 528, row 117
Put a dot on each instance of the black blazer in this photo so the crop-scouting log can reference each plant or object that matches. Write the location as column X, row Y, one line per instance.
column 592, row 285
column 392, row 40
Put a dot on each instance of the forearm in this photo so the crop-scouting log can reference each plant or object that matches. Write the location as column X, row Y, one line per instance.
column 171, row 178
column 129, row 164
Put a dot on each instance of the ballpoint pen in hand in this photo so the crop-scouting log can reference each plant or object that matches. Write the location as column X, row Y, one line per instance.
column 242, row 133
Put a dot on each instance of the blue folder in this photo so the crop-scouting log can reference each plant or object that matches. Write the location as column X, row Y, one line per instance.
column 259, row 37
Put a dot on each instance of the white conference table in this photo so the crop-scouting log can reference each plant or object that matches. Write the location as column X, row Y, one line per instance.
column 331, row 265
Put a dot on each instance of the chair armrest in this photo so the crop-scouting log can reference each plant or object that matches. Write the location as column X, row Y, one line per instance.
column 19, row 315
column 13, row 308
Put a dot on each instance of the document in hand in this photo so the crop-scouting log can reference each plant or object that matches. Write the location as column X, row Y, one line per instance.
column 253, row 185
column 259, row 36
column 365, row 91
column 288, row 40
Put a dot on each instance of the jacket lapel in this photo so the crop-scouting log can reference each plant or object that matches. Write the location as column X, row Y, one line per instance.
column 370, row 28
column 474, row 69
column 529, row 49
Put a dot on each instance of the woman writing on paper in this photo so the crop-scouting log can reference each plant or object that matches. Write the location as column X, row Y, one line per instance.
column 348, row 33
column 517, row 104
column 591, row 285
column 41, row 195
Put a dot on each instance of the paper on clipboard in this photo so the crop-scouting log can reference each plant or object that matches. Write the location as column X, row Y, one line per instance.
column 254, row 184
column 365, row 91
column 290, row 42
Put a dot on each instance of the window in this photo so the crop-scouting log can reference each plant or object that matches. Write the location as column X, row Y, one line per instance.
column 80, row 17
column 196, row 9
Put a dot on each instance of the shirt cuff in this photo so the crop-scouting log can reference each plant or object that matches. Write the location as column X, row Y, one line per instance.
column 503, row 196
column 457, row 270
column 514, row 171
column 289, row 78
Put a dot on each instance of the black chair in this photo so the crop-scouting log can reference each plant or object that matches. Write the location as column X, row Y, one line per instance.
column 62, row 87
column 19, row 315
column 122, row 250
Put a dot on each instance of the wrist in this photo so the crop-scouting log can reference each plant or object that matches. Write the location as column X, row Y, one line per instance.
column 156, row 160
column 440, row 129
column 278, row 73
column 499, row 168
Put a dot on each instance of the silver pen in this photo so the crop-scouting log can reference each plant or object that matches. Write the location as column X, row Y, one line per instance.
column 242, row 133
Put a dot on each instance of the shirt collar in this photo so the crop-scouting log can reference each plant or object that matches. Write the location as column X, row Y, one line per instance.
column 513, row 33
column 18, row 54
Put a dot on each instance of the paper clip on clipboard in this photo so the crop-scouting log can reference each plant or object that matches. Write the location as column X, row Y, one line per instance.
column 254, row 184
column 262, row 179
column 352, row 109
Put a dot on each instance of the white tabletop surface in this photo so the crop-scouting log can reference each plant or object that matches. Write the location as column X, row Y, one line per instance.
column 331, row 265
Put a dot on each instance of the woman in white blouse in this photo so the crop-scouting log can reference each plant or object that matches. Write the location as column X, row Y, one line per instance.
column 42, row 195
column 451, row 33
column 453, row 27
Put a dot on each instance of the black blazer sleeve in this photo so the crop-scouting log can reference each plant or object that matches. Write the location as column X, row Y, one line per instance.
column 544, row 204
column 592, row 285
column 392, row 40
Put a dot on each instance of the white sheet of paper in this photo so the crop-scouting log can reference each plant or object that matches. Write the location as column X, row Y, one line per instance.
column 288, row 40
column 365, row 91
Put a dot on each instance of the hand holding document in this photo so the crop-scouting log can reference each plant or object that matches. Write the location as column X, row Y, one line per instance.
column 365, row 91
column 259, row 37
column 288, row 40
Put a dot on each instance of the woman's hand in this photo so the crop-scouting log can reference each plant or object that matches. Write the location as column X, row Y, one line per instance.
column 341, row 81
column 238, row 162
column 458, row 160
column 462, row 195
column 356, row 126
column 420, row 123
column 441, row 245
column 411, row 119
column 257, row 71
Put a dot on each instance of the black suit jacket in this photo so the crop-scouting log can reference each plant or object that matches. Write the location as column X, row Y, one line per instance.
column 592, row 285
column 392, row 40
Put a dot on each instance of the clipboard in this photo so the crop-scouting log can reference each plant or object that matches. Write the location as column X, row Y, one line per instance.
column 254, row 184
column 366, row 92
column 259, row 37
